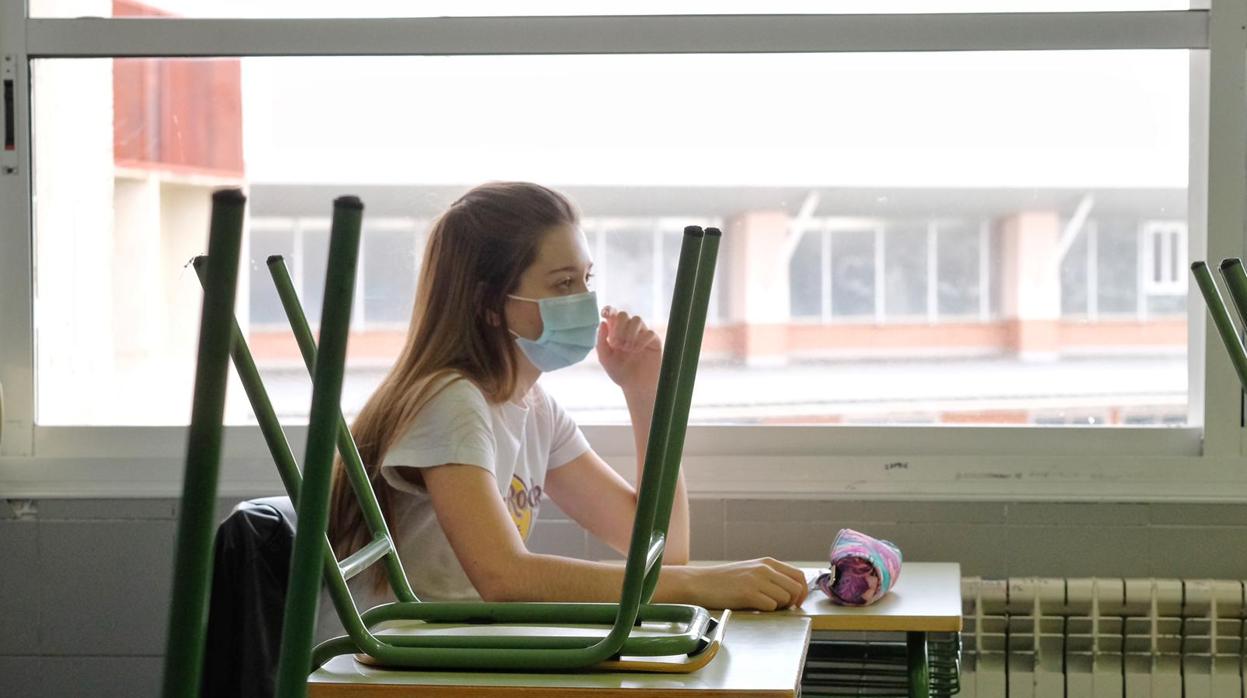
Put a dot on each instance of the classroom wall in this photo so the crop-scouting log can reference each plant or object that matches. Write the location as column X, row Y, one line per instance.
column 84, row 583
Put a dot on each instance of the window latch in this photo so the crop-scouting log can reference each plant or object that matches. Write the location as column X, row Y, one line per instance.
column 8, row 156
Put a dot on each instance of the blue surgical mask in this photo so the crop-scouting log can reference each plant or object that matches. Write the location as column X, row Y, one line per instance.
column 569, row 330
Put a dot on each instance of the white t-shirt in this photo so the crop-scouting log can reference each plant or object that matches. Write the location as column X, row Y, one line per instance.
column 518, row 443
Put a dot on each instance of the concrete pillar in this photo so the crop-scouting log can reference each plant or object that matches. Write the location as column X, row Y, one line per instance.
column 757, row 269
column 1031, row 283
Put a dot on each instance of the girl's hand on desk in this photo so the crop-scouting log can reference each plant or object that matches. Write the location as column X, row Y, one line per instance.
column 763, row 585
column 629, row 350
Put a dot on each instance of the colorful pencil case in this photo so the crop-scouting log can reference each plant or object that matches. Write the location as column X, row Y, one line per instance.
column 863, row 569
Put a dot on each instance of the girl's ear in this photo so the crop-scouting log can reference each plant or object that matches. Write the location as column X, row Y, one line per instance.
column 491, row 317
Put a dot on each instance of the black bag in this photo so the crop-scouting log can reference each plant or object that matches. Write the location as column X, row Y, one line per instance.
column 251, row 565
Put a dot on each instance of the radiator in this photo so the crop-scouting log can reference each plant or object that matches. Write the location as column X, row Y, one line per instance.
column 1076, row 638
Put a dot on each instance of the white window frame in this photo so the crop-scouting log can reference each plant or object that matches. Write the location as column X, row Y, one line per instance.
column 1200, row 462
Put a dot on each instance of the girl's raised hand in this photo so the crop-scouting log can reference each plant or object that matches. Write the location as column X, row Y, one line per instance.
column 629, row 350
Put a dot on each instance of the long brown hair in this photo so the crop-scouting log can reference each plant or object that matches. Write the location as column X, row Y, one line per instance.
column 474, row 257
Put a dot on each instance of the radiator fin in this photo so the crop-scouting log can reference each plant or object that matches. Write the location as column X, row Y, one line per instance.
column 1104, row 637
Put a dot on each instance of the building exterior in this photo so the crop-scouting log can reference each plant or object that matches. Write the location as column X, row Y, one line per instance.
column 914, row 255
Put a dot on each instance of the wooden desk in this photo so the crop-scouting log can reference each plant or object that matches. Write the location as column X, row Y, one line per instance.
column 761, row 657
column 762, row 654
column 925, row 599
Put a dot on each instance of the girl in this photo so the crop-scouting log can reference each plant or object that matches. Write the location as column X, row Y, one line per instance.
column 463, row 445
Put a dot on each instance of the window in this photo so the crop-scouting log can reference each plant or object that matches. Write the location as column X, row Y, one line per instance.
column 988, row 174
column 959, row 269
column 390, row 256
column 853, row 273
column 806, row 273
column 1165, row 285
column 1125, row 268
column 906, row 271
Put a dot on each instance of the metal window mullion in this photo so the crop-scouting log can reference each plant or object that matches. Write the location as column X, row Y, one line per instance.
column 1093, row 271
column 828, row 33
column 933, row 272
column 658, row 272
column 881, row 292
column 827, row 276
column 1140, row 275
column 1226, row 180
column 984, row 271
column 296, row 272
column 17, row 341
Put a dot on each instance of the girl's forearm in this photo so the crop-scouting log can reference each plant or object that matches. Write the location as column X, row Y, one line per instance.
column 536, row 577
column 641, row 411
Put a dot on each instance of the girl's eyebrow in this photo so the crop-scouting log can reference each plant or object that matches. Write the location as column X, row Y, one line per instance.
column 563, row 269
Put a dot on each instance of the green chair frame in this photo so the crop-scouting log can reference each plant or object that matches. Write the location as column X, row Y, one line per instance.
column 309, row 492
column 1235, row 279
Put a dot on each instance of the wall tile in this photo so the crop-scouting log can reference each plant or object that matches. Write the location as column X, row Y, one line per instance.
column 1199, row 514
column 980, row 550
column 599, row 550
column 19, row 588
column 101, row 677
column 1198, row 552
column 864, row 511
column 21, row 676
column 1078, row 551
column 934, row 512
column 1078, row 513
column 550, row 511
column 558, row 538
column 791, row 542
column 104, row 586
column 800, row 510
column 706, row 527
column 79, row 509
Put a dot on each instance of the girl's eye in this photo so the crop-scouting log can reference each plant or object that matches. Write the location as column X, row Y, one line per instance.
column 567, row 283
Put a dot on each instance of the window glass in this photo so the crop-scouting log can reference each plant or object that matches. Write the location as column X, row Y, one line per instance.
column 806, row 276
column 958, row 268
column 1074, row 276
column 264, row 303
column 905, row 271
column 389, row 271
column 852, row 273
column 127, row 152
column 312, row 261
column 1117, row 266
column 630, row 263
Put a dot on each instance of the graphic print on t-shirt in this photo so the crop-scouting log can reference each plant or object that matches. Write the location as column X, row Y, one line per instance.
column 522, row 501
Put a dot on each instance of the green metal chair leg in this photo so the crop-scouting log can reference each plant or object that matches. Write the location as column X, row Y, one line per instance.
column 188, row 612
column 369, row 506
column 919, row 669
column 1236, row 283
column 1221, row 319
column 690, row 350
column 303, row 593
